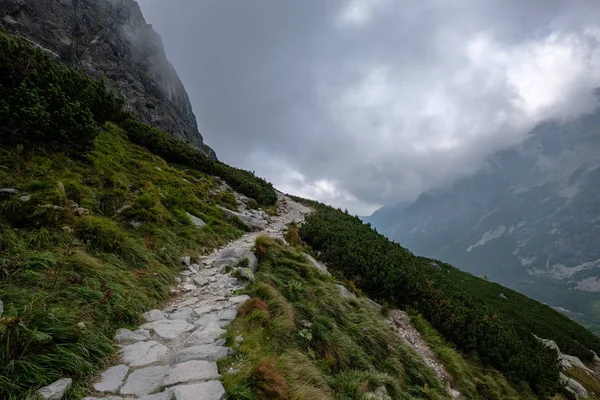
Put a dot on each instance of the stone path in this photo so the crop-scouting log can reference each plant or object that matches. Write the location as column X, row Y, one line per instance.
column 174, row 354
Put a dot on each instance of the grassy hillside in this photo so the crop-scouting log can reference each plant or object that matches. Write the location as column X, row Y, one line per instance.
column 302, row 340
column 93, row 224
column 468, row 311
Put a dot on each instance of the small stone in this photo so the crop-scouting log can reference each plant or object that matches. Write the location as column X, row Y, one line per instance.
column 212, row 390
column 185, row 313
column 205, row 319
column 200, row 282
column 503, row 296
column 198, row 222
column 221, row 342
column 192, row 371
column 56, row 390
column 135, row 224
column 227, row 315
column 207, row 335
column 185, row 260
column 104, row 398
column 177, row 279
column 239, row 299
column 111, row 379
column 194, row 268
column 25, row 198
column 153, row 315
column 125, row 207
column 238, row 340
column 345, row 292
column 169, row 329
column 210, row 307
column 188, row 287
column 145, row 380
column 143, row 353
column 8, row 191
column 158, row 168
column 203, row 352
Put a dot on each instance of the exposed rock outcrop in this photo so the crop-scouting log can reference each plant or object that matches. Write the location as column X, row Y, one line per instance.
column 110, row 38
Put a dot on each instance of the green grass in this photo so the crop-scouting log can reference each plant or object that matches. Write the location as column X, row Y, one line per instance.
column 473, row 381
column 68, row 281
column 303, row 341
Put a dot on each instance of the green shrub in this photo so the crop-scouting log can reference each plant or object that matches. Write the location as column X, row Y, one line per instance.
column 176, row 151
column 44, row 102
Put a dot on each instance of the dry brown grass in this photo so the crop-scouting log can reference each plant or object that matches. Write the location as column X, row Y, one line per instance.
column 270, row 384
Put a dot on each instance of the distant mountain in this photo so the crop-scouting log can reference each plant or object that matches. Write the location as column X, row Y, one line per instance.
column 111, row 39
column 530, row 219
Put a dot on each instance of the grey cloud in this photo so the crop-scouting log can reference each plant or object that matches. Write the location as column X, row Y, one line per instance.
column 377, row 109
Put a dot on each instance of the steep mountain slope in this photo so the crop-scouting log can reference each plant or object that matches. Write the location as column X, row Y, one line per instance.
column 111, row 39
column 530, row 219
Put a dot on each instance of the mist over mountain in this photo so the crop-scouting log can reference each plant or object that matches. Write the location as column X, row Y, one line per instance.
column 529, row 219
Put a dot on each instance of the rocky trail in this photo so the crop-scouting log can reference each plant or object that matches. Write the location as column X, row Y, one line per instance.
column 174, row 353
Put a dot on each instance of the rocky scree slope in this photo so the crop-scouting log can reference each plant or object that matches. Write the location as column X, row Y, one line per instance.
column 111, row 39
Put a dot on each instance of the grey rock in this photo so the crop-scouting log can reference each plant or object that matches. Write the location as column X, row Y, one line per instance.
column 143, row 353
column 8, row 191
column 345, row 292
column 167, row 394
column 207, row 318
column 194, row 268
column 25, row 198
column 125, row 207
column 377, row 306
column 379, row 394
column 317, row 264
column 169, row 329
column 238, row 339
column 135, row 224
column 205, row 352
column 153, row 315
column 503, row 296
column 56, row 390
column 192, row 371
column 435, row 266
column 205, row 335
column 209, row 307
column 186, row 260
column 239, row 299
column 145, row 380
column 224, row 262
column 201, row 282
column 227, row 314
column 185, row 313
column 247, row 219
column 120, row 46
column 111, row 379
column 574, row 385
column 220, row 342
column 195, row 220
column 188, row 287
column 212, row 390
column 125, row 336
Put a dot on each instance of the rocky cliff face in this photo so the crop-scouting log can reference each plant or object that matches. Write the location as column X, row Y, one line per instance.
column 529, row 220
column 110, row 38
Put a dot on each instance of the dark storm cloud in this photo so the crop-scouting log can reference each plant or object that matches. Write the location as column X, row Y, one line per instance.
column 360, row 103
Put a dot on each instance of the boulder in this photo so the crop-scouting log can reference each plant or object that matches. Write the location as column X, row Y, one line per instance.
column 227, row 315
column 111, row 379
column 169, row 329
column 205, row 352
column 145, row 380
column 185, row 313
column 253, row 222
column 56, row 390
column 212, row 390
column 573, row 385
column 143, row 353
column 125, row 336
column 192, row 371
column 345, row 292
column 206, row 335
column 317, row 264
column 153, row 315
column 195, row 220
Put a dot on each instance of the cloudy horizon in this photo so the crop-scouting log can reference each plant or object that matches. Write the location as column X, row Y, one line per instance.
column 362, row 103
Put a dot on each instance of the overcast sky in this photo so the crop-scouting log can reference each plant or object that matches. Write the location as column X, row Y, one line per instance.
column 362, row 103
